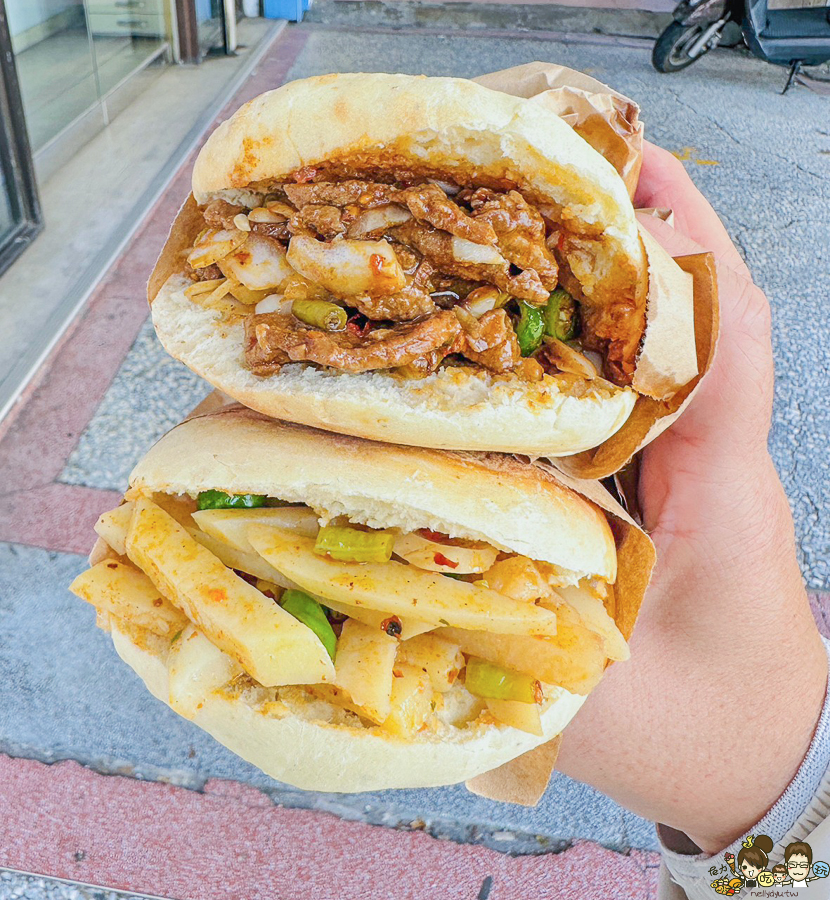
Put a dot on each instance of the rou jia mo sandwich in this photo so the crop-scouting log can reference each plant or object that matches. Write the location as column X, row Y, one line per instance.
column 351, row 616
column 415, row 260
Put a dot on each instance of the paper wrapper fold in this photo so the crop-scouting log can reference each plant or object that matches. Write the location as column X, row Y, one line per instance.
column 607, row 120
column 524, row 780
column 652, row 416
column 681, row 313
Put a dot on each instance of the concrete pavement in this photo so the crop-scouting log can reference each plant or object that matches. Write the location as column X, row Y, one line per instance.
column 763, row 160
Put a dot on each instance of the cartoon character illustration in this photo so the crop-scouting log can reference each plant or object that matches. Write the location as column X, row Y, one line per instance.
column 779, row 873
column 752, row 859
column 727, row 886
column 751, row 870
column 799, row 857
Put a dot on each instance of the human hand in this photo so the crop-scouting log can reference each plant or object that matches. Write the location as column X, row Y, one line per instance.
column 725, row 646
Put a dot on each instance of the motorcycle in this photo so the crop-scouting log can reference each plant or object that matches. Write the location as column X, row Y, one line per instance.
column 698, row 26
column 792, row 37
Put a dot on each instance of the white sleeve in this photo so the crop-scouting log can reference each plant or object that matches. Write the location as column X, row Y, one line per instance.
column 802, row 813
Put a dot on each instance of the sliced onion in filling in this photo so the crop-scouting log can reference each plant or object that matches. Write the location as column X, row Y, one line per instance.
column 214, row 245
column 259, row 264
column 378, row 220
column 481, row 254
column 347, row 267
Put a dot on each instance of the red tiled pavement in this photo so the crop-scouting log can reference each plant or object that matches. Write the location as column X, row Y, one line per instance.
column 232, row 842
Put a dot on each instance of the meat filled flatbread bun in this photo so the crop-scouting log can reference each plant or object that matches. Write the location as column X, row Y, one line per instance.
column 409, row 259
column 352, row 616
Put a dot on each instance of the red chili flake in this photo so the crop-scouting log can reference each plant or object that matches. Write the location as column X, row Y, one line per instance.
column 392, row 626
column 112, row 565
column 538, row 696
column 441, row 560
column 435, row 536
column 359, row 325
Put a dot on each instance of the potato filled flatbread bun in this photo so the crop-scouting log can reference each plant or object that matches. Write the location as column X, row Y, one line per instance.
column 353, row 616
column 416, row 260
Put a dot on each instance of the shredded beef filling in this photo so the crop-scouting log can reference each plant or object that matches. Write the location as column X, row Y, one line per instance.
column 474, row 261
column 274, row 339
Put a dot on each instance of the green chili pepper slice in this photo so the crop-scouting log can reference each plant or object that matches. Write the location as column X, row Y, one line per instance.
column 530, row 329
column 486, row 679
column 222, row 500
column 308, row 611
column 560, row 315
column 352, row 545
column 320, row 314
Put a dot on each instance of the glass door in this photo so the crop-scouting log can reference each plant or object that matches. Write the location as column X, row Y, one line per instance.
column 20, row 218
column 73, row 57
column 55, row 64
column 125, row 35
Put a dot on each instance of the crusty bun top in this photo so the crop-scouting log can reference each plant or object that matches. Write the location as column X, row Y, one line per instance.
column 514, row 506
column 359, row 124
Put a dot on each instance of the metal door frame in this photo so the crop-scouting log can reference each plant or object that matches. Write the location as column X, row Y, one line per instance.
column 16, row 155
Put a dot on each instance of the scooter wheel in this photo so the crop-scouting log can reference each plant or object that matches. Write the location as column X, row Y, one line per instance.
column 671, row 49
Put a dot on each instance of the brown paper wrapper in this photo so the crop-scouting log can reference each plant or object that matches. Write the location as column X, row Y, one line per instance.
column 651, row 417
column 524, row 780
column 681, row 314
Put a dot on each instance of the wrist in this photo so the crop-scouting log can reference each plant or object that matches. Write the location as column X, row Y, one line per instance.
column 708, row 722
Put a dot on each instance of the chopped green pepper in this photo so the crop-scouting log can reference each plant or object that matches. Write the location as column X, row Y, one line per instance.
column 560, row 315
column 221, row 500
column 320, row 314
column 307, row 610
column 530, row 329
column 352, row 545
column 485, row 679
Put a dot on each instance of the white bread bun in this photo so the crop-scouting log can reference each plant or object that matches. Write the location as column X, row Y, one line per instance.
column 300, row 748
column 462, row 408
column 514, row 506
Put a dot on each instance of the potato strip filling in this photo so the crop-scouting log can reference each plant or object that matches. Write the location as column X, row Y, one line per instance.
column 398, row 629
